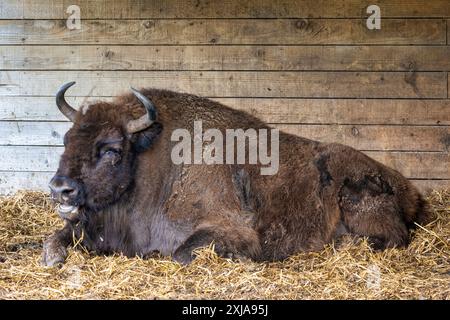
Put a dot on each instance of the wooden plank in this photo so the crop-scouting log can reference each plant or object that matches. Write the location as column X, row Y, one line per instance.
column 224, row 31
column 11, row 182
column 33, row 133
column 345, row 111
column 427, row 186
column 232, row 84
column 11, row 9
column 306, row 111
column 418, row 165
column 30, row 158
column 38, row 108
column 364, row 137
column 278, row 58
column 405, row 138
column 56, row 9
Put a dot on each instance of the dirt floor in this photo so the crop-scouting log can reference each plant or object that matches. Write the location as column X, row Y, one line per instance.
column 351, row 271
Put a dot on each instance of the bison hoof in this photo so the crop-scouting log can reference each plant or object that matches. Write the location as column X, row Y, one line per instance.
column 53, row 254
column 183, row 257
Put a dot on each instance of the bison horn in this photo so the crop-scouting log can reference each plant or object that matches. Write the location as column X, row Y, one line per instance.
column 147, row 119
column 62, row 104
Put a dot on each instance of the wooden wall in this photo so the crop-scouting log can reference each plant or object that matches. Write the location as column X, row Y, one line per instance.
column 310, row 67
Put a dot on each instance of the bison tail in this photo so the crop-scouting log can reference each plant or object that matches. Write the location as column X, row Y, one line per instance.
column 424, row 213
column 417, row 209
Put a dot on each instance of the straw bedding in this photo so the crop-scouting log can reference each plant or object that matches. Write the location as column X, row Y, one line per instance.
column 348, row 270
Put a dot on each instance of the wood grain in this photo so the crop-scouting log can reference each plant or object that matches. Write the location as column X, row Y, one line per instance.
column 306, row 111
column 428, row 186
column 225, row 31
column 345, row 111
column 32, row 133
column 364, row 137
column 38, row 108
column 223, row 58
column 12, row 9
column 132, row 9
column 417, row 165
column 448, row 85
column 11, row 182
column 232, row 84
column 30, row 158
column 448, row 33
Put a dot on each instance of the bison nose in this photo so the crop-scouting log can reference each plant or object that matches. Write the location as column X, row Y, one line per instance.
column 64, row 189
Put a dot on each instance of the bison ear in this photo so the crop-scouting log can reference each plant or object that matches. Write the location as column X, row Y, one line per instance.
column 144, row 139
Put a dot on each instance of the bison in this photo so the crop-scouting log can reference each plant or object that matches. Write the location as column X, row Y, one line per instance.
column 118, row 190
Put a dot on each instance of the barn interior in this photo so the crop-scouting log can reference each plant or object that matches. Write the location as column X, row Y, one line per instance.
column 319, row 69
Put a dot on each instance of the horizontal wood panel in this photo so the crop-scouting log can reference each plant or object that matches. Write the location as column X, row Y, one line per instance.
column 405, row 138
column 411, row 164
column 13, row 9
column 232, row 84
column 415, row 164
column 11, row 182
column 32, row 133
column 364, row 137
column 428, row 186
column 39, row 108
column 448, row 84
column 228, row 31
column 448, row 33
column 345, row 111
column 30, row 158
column 310, row 111
column 56, row 9
column 281, row 58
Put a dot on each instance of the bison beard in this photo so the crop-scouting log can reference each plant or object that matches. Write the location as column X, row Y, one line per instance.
column 117, row 187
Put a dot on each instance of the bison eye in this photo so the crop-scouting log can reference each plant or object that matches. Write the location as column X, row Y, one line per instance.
column 109, row 152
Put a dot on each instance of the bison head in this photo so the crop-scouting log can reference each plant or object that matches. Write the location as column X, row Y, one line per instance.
column 97, row 166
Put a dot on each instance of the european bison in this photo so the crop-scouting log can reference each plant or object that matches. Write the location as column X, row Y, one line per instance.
column 118, row 188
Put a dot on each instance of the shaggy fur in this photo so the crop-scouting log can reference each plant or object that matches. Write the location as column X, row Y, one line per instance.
column 134, row 200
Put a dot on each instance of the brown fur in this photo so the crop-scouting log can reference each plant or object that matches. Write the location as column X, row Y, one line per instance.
column 145, row 203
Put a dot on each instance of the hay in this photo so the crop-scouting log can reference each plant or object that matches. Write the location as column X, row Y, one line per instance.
column 351, row 271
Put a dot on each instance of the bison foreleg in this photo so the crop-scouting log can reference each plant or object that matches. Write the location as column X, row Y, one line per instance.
column 231, row 242
column 55, row 247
